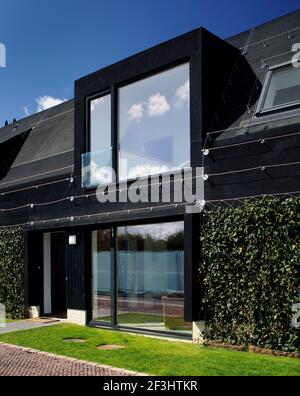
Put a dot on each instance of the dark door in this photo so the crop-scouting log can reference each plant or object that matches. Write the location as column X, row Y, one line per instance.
column 58, row 274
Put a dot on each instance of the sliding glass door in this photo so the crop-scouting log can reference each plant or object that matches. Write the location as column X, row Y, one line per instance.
column 151, row 277
column 101, row 275
column 149, row 267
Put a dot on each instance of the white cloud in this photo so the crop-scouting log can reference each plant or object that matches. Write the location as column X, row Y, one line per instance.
column 136, row 112
column 45, row 102
column 182, row 94
column 26, row 111
column 145, row 170
column 157, row 105
column 99, row 175
column 95, row 103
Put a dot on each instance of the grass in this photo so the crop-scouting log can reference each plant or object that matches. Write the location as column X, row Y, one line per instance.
column 150, row 355
column 8, row 320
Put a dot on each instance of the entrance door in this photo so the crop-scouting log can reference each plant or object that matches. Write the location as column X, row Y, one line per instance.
column 58, row 274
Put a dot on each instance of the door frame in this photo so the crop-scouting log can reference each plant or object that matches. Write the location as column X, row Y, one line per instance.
column 46, row 285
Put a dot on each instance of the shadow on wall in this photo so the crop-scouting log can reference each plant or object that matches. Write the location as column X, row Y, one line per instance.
column 9, row 150
column 240, row 95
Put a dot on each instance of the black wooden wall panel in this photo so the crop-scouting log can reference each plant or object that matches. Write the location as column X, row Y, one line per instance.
column 192, row 296
column 33, row 268
column 75, row 265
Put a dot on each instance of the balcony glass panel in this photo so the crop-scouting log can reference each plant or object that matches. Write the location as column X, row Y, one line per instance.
column 97, row 168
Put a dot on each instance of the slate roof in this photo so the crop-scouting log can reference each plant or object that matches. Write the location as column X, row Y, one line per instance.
column 45, row 144
column 263, row 46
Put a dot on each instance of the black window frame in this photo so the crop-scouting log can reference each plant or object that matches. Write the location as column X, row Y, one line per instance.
column 115, row 141
column 191, row 223
column 182, row 49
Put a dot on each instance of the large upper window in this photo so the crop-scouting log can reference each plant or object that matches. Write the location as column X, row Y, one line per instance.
column 281, row 89
column 154, row 124
column 97, row 162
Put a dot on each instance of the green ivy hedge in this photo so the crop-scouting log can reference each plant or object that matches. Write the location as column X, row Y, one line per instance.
column 250, row 272
column 11, row 271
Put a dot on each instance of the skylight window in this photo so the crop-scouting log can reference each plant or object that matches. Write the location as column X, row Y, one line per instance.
column 281, row 89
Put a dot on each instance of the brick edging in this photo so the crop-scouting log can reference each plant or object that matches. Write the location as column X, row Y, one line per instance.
column 71, row 359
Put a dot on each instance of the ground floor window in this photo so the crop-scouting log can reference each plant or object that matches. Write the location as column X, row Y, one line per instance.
column 148, row 266
column 101, row 275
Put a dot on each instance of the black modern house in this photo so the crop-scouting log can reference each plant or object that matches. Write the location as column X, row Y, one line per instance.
column 230, row 107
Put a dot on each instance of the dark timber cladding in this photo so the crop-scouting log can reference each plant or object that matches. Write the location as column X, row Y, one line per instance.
column 191, row 274
column 33, row 268
column 249, row 153
column 77, row 267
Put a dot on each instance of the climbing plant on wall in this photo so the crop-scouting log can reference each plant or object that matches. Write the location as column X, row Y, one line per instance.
column 11, row 271
column 250, row 272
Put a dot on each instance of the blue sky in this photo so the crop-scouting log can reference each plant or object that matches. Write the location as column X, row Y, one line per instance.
column 49, row 44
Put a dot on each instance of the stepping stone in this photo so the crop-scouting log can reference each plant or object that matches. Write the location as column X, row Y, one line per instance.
column 76, row 340
column 109, row 347
column 43, row 320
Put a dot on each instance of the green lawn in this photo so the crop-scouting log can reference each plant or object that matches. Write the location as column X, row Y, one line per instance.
column 11, row 320
column 150, row 355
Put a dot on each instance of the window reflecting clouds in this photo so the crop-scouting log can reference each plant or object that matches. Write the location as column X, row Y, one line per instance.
column 100, row 123
column 154, row 124
column 151, row 277
column 97, row 163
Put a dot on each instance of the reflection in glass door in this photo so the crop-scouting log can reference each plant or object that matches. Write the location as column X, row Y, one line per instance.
column 101, row 275
column 141, row 283
column 151, row 277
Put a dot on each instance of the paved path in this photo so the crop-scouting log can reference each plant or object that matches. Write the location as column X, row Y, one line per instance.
column 23, row 325
column 20, row 361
